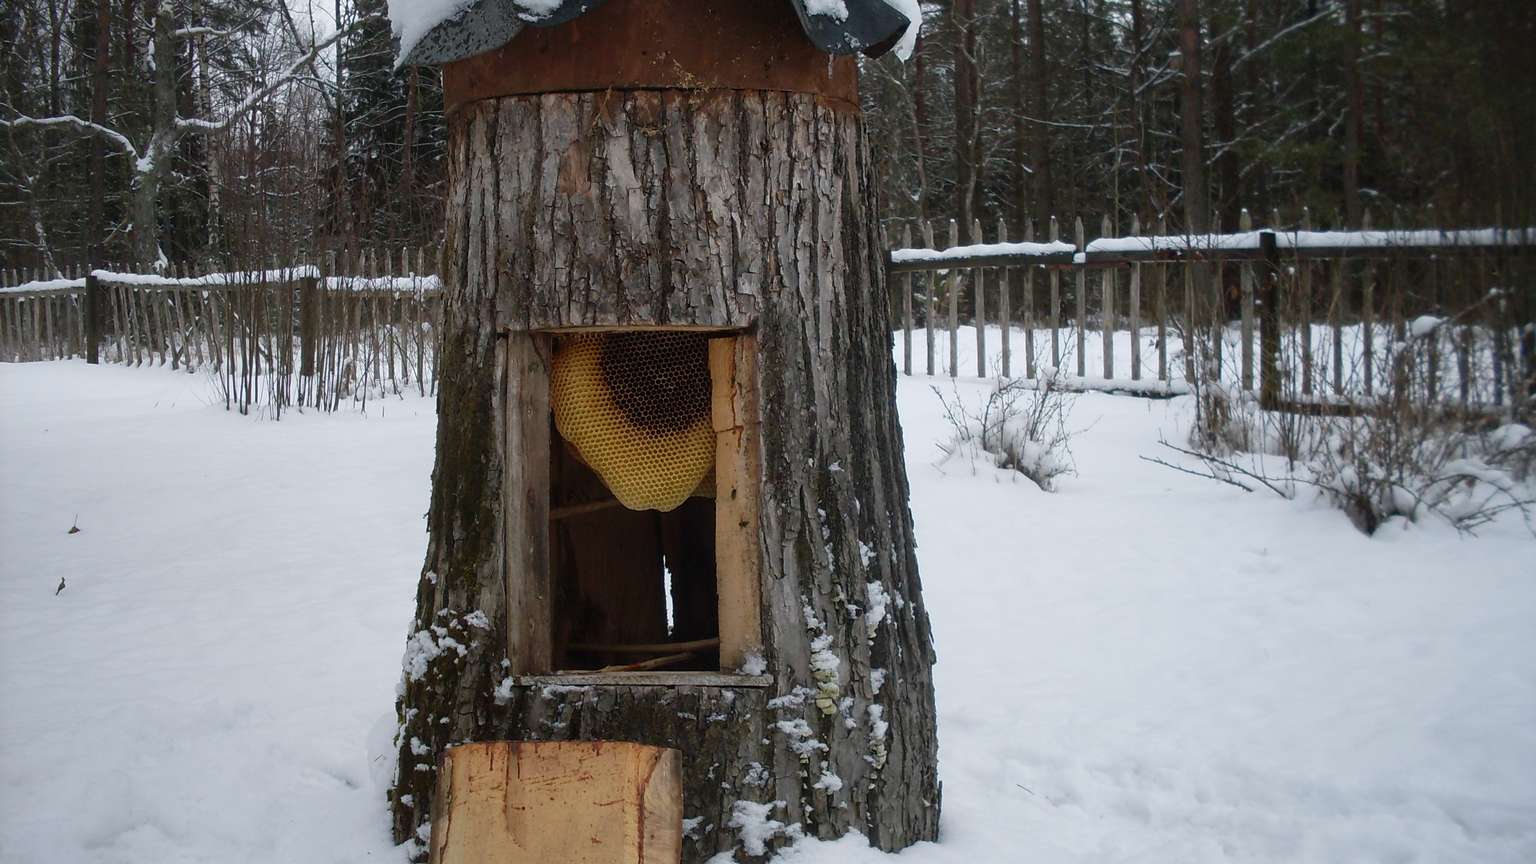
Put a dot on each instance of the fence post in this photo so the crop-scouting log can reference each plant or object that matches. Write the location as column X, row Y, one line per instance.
column 92, row 319
column 1055, row 304
column 979, row 307
column 1245, row 280
column 954, row 304
column 1082, row 303
column 906, row 306
column 1004, row 312
column 931, row 282
column 309, row 318
column 1133, row 306
column 1269, row 324
column 1107, row 289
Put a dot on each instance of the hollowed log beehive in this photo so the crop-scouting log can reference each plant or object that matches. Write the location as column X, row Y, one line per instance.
column 696, row 209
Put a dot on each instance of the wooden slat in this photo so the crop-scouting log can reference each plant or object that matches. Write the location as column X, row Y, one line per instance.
column 979, row 308
column 1055, row 279
column 525, row 499
column 1029, row 307
column 1082, row 308
column 906, row 308
column 1304, row 310
column 954, row 306
column 1107, row 288
column 1245, row 279
column 733, row 377
column 576, row 802
column 1004, row 313
column 1133, row 309
column 930, row 312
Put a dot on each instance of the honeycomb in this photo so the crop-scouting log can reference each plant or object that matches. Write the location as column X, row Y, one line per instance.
column 635, row 407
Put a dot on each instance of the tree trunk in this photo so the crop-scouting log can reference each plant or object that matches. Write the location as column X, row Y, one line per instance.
column 97, row 214
column 1045, row 188
column 721, row 209
column 967, row 113
column 1353, row 113
column 1196, row 214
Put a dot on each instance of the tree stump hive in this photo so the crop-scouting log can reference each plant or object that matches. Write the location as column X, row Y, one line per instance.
column 691, row 170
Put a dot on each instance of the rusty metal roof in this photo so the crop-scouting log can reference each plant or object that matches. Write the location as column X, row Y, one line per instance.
column 871, row 27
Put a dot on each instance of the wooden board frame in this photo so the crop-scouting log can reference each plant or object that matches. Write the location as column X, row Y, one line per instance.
column 528, row 541
column 733, row 377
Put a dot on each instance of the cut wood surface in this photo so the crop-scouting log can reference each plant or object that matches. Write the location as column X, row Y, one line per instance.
column 574, row 802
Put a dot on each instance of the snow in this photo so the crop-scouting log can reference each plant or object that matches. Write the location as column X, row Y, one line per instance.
column 834, row 9
column 413, row 19
column 57, row 285
column 285, row 274
column 960, row 252
column 914, row 12
column 1249, row 240
column 1141, row 666
column 412, row 284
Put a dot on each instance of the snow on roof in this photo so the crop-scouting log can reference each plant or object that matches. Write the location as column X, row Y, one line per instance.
column 441, row 31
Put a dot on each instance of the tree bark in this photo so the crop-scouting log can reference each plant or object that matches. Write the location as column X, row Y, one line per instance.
column 967, row 114
column 97, row 214
column 723, row 209
column 1196, row 212
column 1045, row 188
column 1353, row 114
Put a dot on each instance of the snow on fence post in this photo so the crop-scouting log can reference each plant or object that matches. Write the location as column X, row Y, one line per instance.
column 92, row 319
column 1004, row 313
column 1107, row 290
column 1269, row 324
column 906, row 305
column 1133, row 309
column 979, row 306
column 1081, row 324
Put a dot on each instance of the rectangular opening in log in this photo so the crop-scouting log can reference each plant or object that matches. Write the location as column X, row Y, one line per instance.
column 652, row 502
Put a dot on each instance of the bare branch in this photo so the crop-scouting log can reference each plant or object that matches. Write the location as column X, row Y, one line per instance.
column 71, row 121
column 200, row 126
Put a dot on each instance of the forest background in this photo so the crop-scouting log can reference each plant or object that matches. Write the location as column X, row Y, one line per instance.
column 217, row 130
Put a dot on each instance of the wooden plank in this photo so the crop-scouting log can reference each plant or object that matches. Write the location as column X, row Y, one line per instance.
column 733, row 376
column 1161, row 308
column 1335, row 323
column 1029, row 307
column 1133, row 309
column 954, row 306
column 575, row 802
column 1082, row 308
column 906, row 308
column 979, row 309
column 1304, row 314
column 930, row 312
column 525, row 498
column 1107, row 288
column 1004, row 313
column 1245, row 280
column 1055, row 304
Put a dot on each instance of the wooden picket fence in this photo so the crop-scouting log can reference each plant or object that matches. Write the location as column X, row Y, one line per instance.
column 347, row 329
column 1309, row 318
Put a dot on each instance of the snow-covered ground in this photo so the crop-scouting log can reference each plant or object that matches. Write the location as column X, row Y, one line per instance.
column 1142, row 666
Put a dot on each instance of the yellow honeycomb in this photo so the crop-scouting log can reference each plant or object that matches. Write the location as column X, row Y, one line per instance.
column 635, row 406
